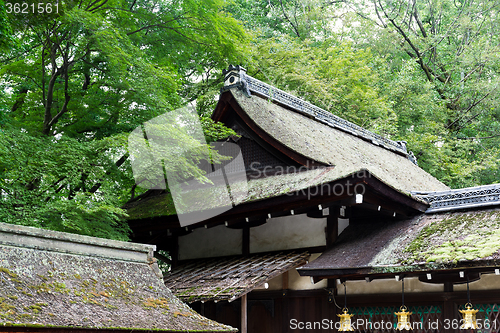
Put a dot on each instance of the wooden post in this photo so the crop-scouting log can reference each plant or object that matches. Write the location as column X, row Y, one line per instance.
column 332, row 226
column 245, row 249
column 244, row 326
column 175, row 251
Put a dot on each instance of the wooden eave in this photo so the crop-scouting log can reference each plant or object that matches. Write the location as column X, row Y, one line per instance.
column 439, row 274
column 377, row 194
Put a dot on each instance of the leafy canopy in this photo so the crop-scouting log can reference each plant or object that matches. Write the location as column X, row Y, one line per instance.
column 76, row 82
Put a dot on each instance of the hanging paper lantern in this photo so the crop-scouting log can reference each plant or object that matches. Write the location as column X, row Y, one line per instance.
column 345, row 321
column 469, row 317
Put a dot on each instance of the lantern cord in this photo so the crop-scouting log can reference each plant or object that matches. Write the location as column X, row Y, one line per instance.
column 345, row 295
column 335, row 301
column 468, row 293
column 403, row 293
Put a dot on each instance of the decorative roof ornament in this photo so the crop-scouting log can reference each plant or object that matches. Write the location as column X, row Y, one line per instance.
column 470, row 197
column 236, row 77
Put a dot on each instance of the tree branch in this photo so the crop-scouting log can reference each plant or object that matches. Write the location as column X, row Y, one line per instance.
column 288, row 19
column 118, row 164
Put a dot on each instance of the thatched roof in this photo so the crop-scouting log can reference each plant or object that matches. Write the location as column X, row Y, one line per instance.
column 340, row 147
column 330, row 146
column 229, row 278
column 427, row 242
column 258, row 189
column 53, row 279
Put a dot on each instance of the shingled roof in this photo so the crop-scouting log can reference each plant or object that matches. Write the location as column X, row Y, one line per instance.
column 429, row 242
column 229, row 278
column 57, row 280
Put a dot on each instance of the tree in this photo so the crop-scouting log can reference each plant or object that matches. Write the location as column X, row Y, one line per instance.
column 424, row 72
column 334, row 76
column 454, row 45
column 77, row 82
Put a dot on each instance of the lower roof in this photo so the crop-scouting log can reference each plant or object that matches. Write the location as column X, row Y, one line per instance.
column 275, row 194
column 429, row 242
column 47, row 281
column 229, row 278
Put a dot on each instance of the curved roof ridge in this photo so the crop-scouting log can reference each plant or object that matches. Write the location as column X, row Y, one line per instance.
column 462, row 198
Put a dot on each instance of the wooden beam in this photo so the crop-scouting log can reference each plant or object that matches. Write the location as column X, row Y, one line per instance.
column 302, row 201
column 244, row 314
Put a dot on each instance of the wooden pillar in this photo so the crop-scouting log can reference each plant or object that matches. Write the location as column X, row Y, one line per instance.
column 244, row 318
column 449, row 313
column 175, row 251
column 332, row 226
column 245, row 242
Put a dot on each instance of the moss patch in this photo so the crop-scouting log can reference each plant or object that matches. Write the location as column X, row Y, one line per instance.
column 457, row 236
column 162, row 205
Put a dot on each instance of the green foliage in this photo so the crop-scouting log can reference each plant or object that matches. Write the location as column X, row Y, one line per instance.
column 425, row 74
column 75, row 83
column 5, row 29
column 43, row 184
column 338, row 78
column 215, row 131
column 162, row 265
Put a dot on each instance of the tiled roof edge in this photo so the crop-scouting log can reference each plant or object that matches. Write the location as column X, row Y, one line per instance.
column 464, row 198
column 236, row 77
column 62, row 242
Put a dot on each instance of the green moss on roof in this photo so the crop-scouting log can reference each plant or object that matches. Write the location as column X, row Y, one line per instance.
column 331, row 146
column 53, row 289
column 258, row 189
column 426, row 242
column 457, row 236
column 160, row 205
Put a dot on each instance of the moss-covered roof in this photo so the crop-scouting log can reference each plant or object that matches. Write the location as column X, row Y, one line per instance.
column 258, row 189
column 49, row 286
column 324, row 144
column 229, row 278
column 345, row 153
column 426, row 242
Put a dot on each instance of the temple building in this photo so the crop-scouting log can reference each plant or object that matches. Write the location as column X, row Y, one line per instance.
column 330, row 215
